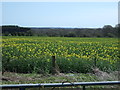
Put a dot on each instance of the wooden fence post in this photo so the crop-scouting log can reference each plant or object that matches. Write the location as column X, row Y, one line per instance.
column 55, row 68
column 95, row 62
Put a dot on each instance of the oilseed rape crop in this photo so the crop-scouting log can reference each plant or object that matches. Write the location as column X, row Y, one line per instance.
column 33, row 54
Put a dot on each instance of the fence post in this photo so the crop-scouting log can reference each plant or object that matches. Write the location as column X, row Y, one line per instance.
column 54, row 66
column 95, row 62
column 83, row 87
column 22, row 88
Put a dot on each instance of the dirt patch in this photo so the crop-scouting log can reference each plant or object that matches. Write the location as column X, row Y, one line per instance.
column 20, row 78
column 104, row 76
column 9, row 76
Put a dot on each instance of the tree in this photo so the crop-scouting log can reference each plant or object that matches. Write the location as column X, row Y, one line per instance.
column 117, row 28
column 107, row 30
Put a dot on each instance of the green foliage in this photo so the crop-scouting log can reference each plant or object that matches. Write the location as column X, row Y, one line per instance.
column 33, row 54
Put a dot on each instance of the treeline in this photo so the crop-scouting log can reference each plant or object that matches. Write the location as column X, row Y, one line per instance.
column 15, row 31
column 106, row 31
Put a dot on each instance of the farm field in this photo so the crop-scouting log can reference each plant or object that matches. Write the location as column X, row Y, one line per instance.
column 73, row 55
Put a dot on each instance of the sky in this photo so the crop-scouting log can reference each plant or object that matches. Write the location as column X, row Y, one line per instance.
column 60, row 14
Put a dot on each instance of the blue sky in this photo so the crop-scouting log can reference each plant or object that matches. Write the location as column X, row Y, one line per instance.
column 60, row 14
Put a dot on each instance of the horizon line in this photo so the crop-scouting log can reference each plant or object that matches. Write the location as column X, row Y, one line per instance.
column 55, row 26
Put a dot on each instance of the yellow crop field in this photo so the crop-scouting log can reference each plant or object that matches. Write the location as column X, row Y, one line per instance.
column 33, row 54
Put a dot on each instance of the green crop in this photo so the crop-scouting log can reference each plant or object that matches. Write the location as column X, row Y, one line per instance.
column 33, row 54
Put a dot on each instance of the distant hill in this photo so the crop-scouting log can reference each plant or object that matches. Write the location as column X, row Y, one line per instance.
column 106, row 31
column 14, row 30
